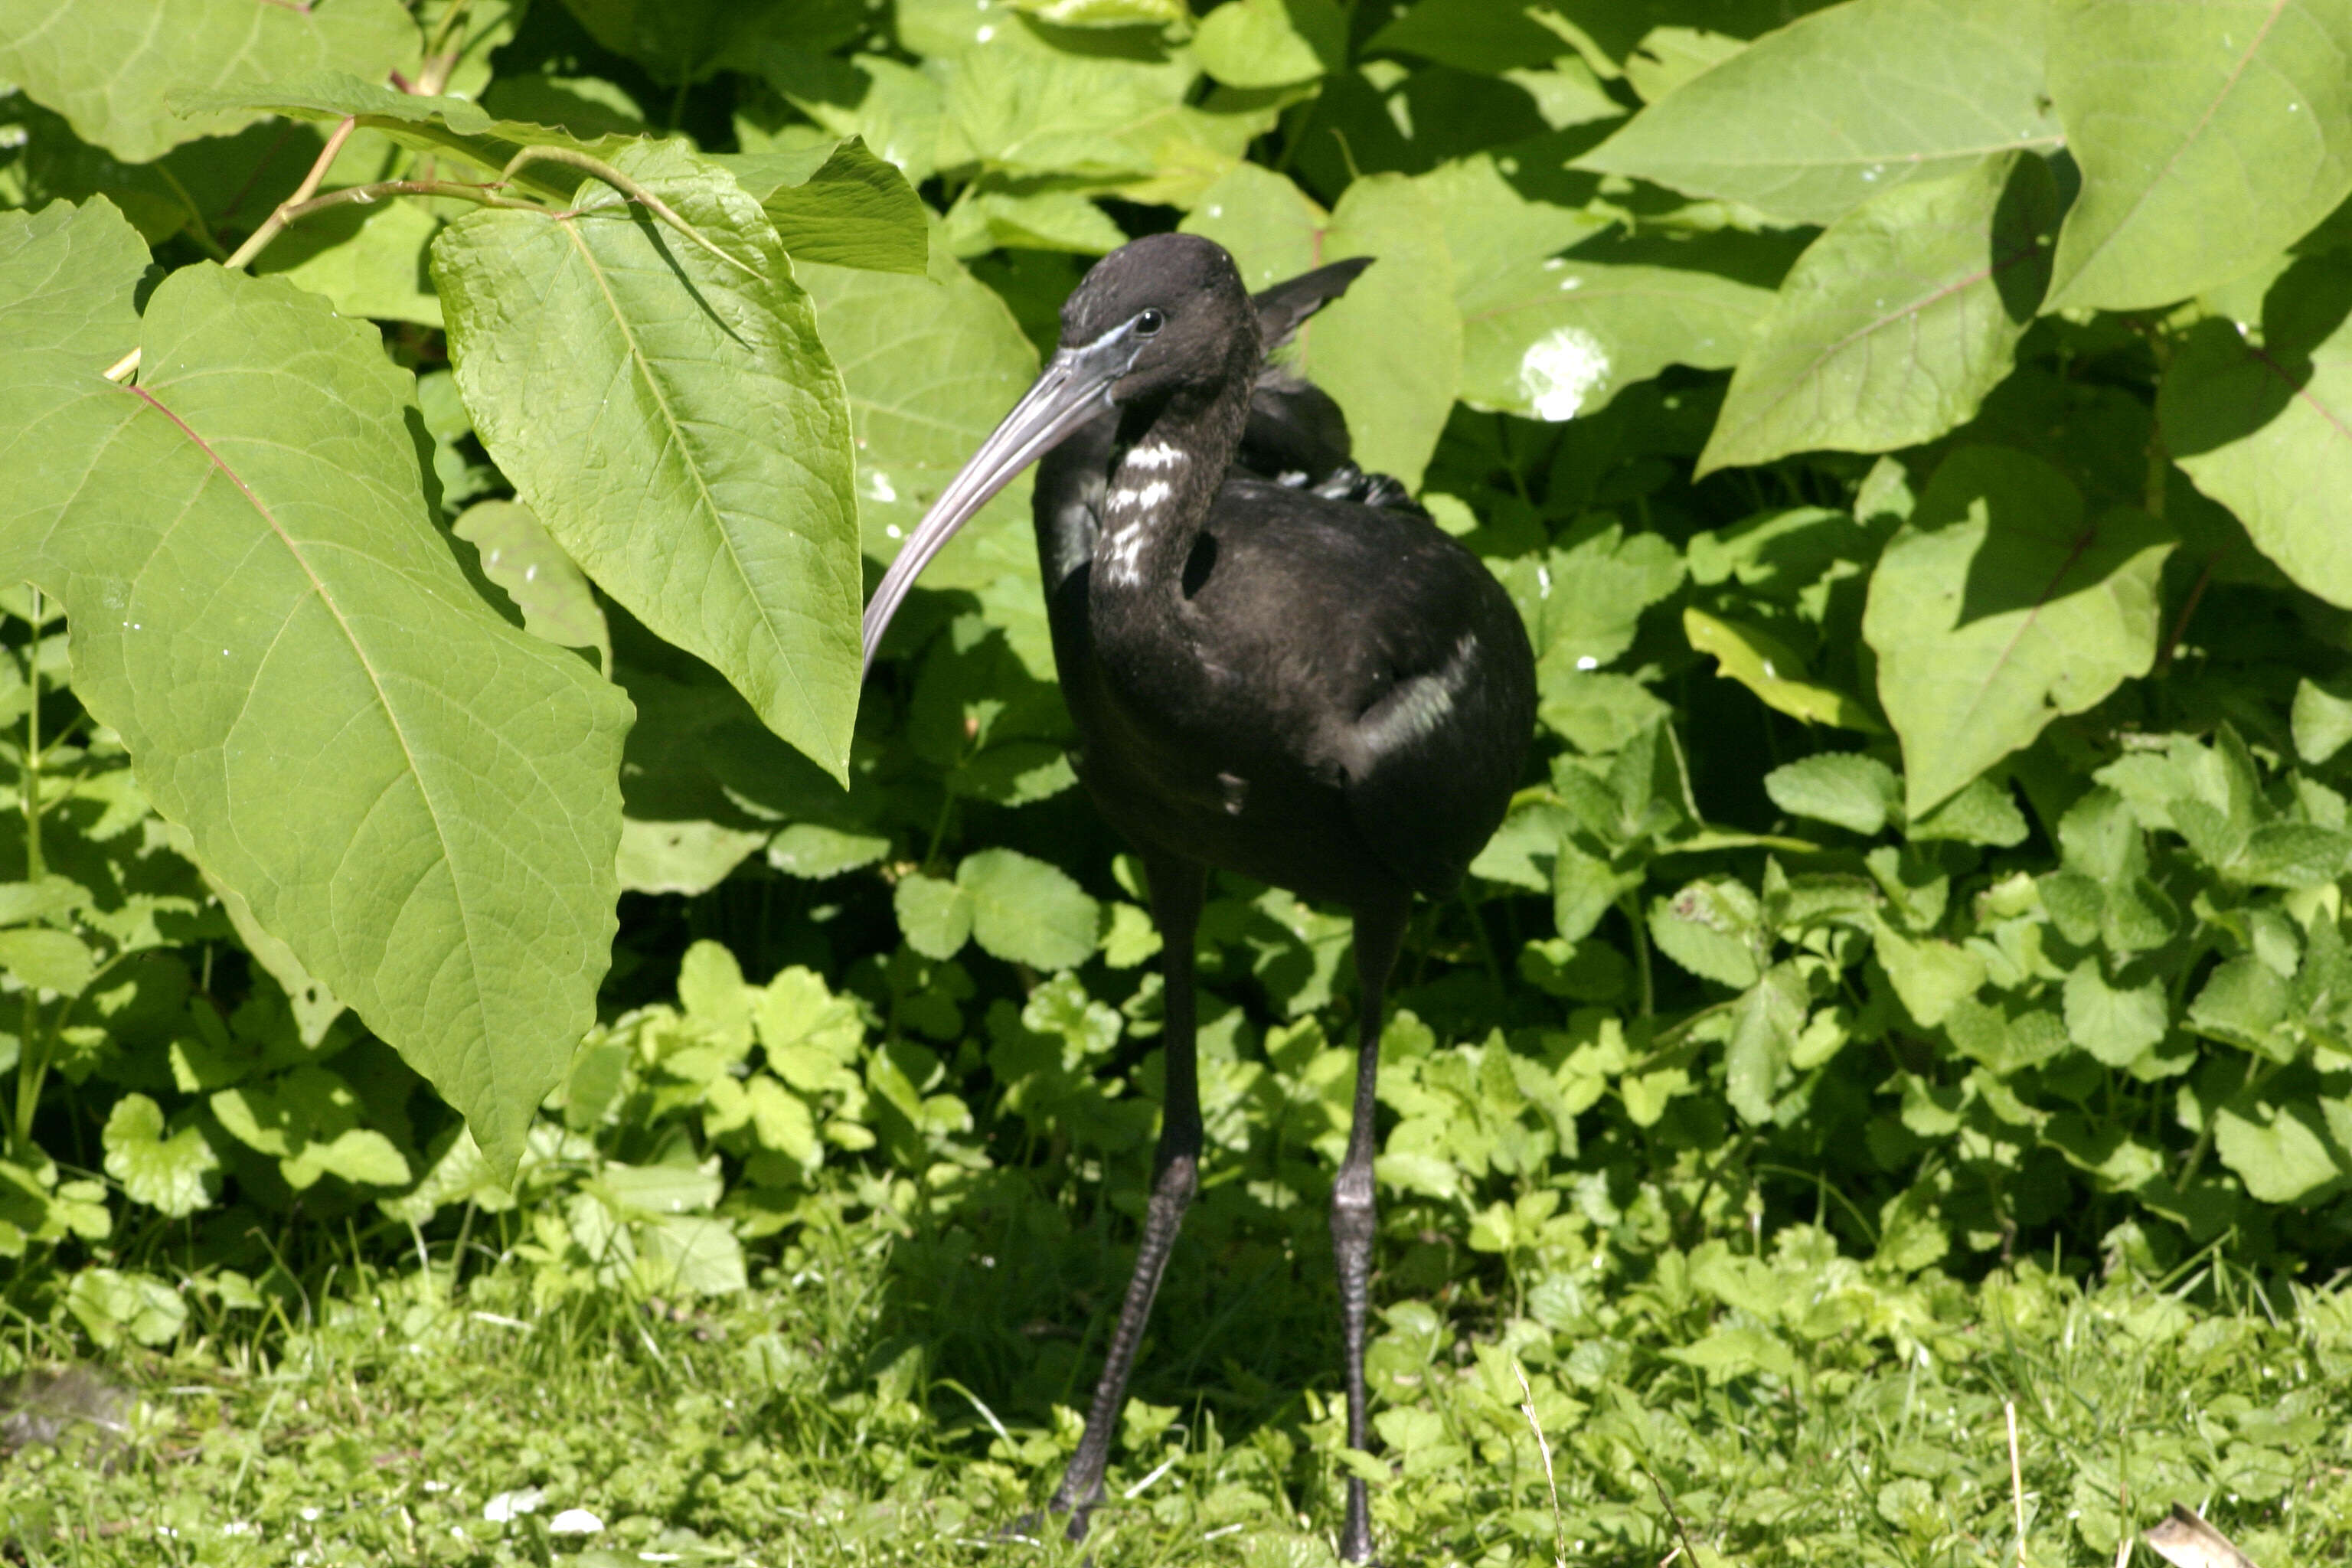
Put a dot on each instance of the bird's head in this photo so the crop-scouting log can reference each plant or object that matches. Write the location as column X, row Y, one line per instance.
column 1164, row 314
column 1162, row 318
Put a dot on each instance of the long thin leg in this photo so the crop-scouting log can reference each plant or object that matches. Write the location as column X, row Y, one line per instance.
column 1379, row 929
column 1177, row 887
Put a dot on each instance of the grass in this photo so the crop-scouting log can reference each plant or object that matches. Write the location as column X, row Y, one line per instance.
column 1782, row 1407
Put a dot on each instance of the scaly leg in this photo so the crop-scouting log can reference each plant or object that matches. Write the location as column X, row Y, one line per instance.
column 1379, row 929
column 1178, row 887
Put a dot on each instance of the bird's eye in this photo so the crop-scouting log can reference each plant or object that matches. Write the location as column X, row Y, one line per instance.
column 1148, row 322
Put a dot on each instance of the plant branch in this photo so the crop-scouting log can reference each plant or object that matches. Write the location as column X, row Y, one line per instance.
column 627, row 188
column 275, row 223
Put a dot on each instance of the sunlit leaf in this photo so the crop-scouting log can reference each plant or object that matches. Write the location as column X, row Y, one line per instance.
column 2208, row 132
column 1812, row 120
column 431, row 823
column 108, row 69
column 674, row 421
column 1893, row 326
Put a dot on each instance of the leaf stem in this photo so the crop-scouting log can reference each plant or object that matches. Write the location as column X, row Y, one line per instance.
column 627, row 188
column 275, row 223
column 1631, row 908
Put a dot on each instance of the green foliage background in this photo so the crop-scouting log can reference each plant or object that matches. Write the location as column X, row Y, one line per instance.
column 1914, row 436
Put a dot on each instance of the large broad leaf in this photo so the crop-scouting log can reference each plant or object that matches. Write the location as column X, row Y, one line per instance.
column 2209, row 132
column 931, row 367
column 438, row 125
column 1811, row 121
column 673, row 419
column 1019, row 105
column 1556, row 338
column 108, row 66
column 415, row 796
column 2263, row 424
column 838, row 204
column 1998, row 607
column 1894, row 325
column 1389, row 351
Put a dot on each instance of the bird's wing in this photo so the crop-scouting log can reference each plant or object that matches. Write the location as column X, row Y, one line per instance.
column 1403, row 666
column 1284, row 308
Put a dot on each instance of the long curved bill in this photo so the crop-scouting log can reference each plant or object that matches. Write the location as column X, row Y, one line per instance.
column 1073, row 387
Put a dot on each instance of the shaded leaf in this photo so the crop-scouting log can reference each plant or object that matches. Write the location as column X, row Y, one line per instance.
column 1996, row 607
column 2263, row 425
column 840, row 206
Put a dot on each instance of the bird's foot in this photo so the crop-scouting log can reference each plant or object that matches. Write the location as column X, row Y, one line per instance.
column 1033, row 1527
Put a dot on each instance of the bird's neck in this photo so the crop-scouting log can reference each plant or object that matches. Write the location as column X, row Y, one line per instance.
column 1163, row 481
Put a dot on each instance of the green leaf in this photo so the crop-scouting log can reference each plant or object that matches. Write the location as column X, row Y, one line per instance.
column 431, row 824
column 2115, row 1024
column 1026, row 107
column 2321, row 720
column 1764, row 1026
column 983, row 220
column 1105, row 13
column 1998, row 607
column 929, row 368
column 178, row 1174
column 840, row 206
column 1389, row 351
column 1485, row 36
column 690, row 1255
column 1931, row 976
column 67, row 273
column 2207, row 132
column 1895, row 323
column 1266, row 43
column 1584, row 600
column 1770, row 668
column 687, row 40
column 368, row 259
column 2244, row 1001
column 2264, row 424
column 1559, row 338
column 1858, row 793
column 110, row 1304
column 1715, row 929
column 544, row 582
column 1493, row 226
column 934, row 915
column 2286, row 1153
column 1812, row 120
column 676, row 424
column 1026, row 912
column 1584, row 889
column 108, row 70
column 889, row 105
column 47, row 960
column 688, row 858
column 814, row 851
column 1981, row 812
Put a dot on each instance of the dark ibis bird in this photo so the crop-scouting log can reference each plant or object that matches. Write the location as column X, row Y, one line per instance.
column 1289, row 673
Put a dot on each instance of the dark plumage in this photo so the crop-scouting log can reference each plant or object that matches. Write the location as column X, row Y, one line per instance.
column 1277, row 664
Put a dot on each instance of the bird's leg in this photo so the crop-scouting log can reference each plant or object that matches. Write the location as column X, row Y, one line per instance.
column 1379, row 929
column 1177, row 887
